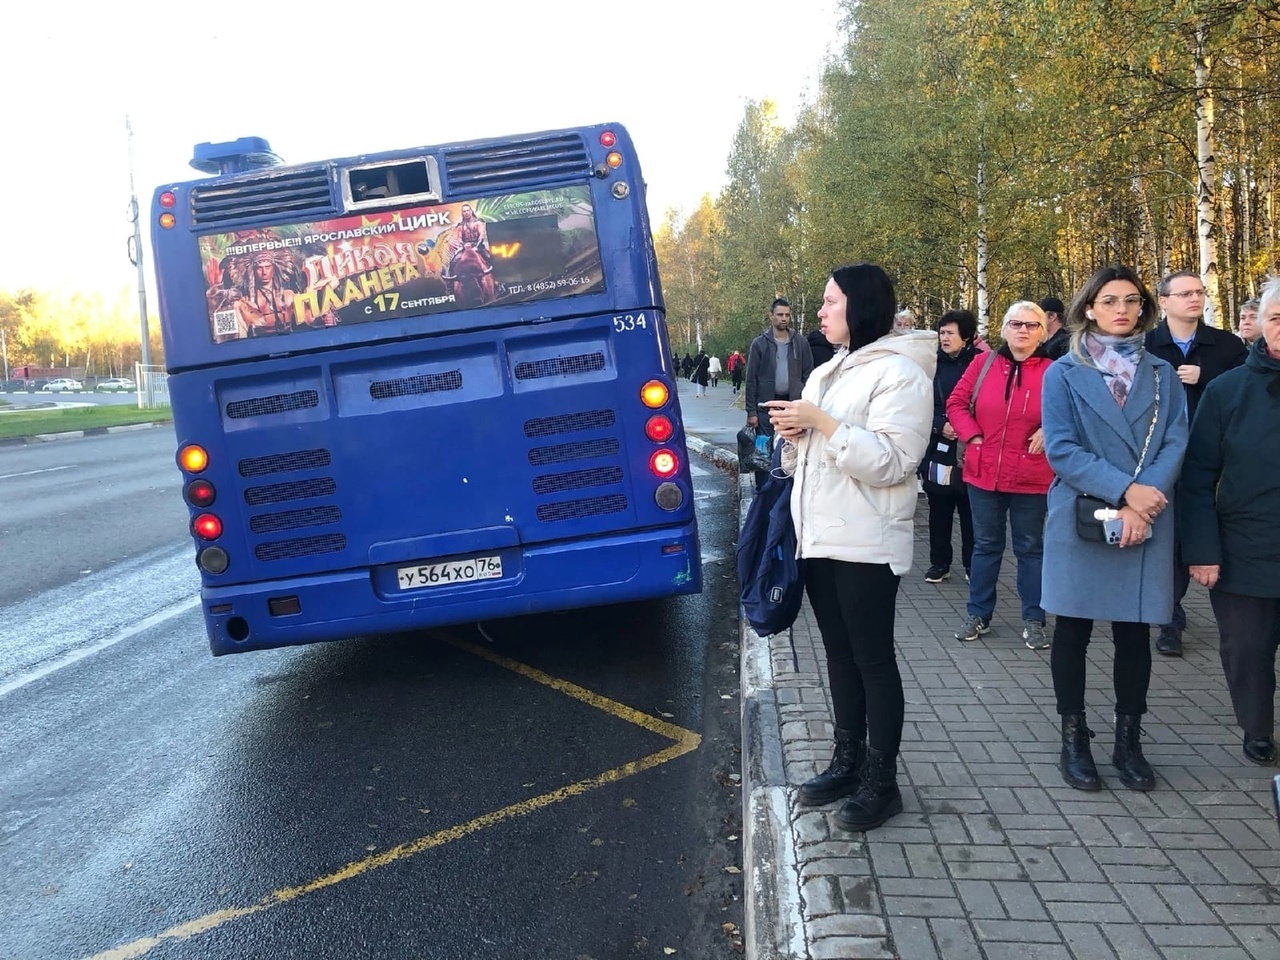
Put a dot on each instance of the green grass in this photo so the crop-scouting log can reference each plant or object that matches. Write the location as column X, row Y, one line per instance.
column 30, row 422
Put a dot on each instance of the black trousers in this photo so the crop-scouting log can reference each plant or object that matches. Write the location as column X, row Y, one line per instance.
column 944, row 503
column 1130, row 672
column 1249, row 633
column 854, row 605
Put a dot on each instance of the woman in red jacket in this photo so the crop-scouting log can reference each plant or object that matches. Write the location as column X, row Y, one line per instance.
column 1005, row 468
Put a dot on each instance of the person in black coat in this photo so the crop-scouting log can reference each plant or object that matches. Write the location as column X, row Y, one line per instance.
column 819, row 346
column 1227, row 508
column 1199, row 354
column 701, row 373
column 943, row 487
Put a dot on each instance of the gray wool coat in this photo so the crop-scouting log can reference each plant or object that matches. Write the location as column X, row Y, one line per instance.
column 1093, row 445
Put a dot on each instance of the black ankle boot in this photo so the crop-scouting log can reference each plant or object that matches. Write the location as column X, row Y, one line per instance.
column 841, row 777
column 1135, row 772
column 877, row 797
column 1078, row 768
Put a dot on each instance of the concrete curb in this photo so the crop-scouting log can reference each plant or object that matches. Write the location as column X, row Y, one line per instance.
column 80, row 434
column 773, row 925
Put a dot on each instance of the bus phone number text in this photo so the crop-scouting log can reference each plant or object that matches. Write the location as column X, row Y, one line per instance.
column 451, row 572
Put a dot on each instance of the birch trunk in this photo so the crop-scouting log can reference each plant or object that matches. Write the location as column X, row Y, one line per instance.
column 1206, row 199
column 983, row 252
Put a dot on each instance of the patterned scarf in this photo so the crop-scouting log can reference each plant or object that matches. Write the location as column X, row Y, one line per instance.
column 1116, row 359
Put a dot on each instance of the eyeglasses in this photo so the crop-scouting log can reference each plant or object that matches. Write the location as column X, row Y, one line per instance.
column 1184, row 294
column 1110, row 303
column 1024, row 325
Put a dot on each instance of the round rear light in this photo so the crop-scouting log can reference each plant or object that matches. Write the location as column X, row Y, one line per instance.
column 213, row 560
column 167, row 200
column 668, row 496
column 659, row 429
column 608, row 138
column 654, row 394
column 167, row 220
column 664, row 464
column 207, row 526
column 193, row 458
column 614, row 159
column 200, row 493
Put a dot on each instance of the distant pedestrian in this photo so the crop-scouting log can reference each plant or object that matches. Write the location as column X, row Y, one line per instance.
column 904, row 321
column 1059, row 341
column 1115, row 426
column 998, row 420
column 948, row 494
column 686, row 366
column 778, row 364
column 1228, row 501
column 854, row 441
column 1198, row 353
column 701, row 373
column 1248, row 328
column 713, row 370
column 737, row 369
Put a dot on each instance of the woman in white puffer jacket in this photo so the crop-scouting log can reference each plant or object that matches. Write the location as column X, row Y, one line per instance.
column 853, row 442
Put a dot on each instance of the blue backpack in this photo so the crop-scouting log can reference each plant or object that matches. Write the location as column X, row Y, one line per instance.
column 771, row 578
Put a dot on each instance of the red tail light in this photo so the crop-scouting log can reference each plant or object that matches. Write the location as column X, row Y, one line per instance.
column 659, row 429
column 200, row 493
column 207, row 526
column 664, row 464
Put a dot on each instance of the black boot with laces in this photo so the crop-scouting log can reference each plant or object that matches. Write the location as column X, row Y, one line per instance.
column 1078, row 768
column 841, row 777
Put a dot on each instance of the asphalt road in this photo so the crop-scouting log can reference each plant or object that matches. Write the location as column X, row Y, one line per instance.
column 552, row 787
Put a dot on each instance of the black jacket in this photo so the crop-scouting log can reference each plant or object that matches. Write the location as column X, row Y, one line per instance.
column 949, row 371
column 820, row 347
column 1228, row 498
column 762, row 358
column 1214, row 351
column 1058, row 344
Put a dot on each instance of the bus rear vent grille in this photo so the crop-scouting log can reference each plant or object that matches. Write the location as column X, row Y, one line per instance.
column 566, row 452
column 284, row 462
column 283, row 492
column 560, row 366
column 294, row 519
column 576, row 480
column 302, row 547
column 277, row 403
column 420, row 383
column 590, row 507
column 293, row 192
column 569, row 423
column 536, row 162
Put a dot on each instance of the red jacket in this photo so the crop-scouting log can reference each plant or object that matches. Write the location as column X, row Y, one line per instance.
column 1005, row 416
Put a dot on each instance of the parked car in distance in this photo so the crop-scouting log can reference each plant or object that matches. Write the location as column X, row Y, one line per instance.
column 34, row 385
column 12, row 386
column 116, row 385
column 62, row 385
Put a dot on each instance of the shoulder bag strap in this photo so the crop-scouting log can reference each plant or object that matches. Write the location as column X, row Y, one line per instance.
column 982, row 375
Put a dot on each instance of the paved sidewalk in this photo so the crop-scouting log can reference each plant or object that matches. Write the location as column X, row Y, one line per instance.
column 994, row 858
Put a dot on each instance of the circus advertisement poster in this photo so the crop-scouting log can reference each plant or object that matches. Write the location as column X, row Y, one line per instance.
column 268, row 281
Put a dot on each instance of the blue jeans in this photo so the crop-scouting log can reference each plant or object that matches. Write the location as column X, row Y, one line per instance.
column 1026, row 519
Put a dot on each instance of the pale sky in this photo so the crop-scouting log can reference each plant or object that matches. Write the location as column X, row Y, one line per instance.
column 321, row 79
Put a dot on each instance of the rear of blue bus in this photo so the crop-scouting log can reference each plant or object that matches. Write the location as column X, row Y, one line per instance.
column 423, row 387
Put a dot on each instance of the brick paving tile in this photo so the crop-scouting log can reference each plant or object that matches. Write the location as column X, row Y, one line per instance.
column 1086, row 942
column 912, row 938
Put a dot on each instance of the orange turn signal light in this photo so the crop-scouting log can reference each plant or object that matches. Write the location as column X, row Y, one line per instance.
column 654, row 394
column 193, row 458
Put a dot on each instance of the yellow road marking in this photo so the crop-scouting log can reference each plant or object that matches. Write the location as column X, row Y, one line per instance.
column 686, row 741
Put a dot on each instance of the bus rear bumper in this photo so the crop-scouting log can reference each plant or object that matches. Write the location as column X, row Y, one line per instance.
column 563, row 576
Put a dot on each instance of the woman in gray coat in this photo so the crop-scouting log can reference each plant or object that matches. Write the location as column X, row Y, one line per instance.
column 1115, row 428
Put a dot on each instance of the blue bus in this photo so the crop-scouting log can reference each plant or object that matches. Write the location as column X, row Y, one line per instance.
column 421, row 387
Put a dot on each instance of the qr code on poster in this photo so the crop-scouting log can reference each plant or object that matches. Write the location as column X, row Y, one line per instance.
column 224, row 323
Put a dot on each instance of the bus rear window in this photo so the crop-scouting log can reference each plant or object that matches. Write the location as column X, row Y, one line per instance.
column 381, row 265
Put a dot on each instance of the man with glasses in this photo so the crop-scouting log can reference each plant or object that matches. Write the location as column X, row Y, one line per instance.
column 1198, row 354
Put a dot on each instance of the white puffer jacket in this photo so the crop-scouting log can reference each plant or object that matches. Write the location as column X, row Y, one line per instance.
column 854, row 496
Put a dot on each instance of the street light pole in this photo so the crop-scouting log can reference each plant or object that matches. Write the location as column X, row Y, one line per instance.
column 135, row 252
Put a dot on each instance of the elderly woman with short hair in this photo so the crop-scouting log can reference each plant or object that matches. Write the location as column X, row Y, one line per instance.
column 1115, row 429
column 1229, row 500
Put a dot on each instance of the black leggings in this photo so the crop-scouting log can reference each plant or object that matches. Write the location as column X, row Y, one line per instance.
column 1131, row 667
column 854, row 606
